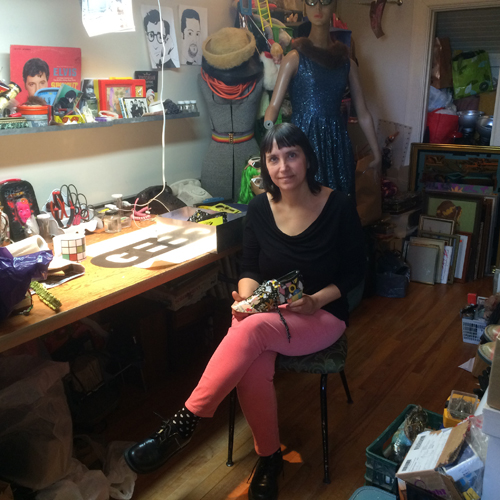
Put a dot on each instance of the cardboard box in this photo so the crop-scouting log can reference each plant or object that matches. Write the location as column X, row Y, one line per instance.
column 5, row 491
column 431, row 450
column 218, row 238
column 491, row 481
column 494, row 385
column 491, row 421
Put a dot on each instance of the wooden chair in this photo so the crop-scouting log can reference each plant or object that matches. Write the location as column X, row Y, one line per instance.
column 329, row 360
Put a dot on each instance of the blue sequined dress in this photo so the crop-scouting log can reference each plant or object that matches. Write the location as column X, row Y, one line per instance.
column 316, row 94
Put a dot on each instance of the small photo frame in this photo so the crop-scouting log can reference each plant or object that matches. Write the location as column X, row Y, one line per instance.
column 135, row 107
column 430, row 224
column 111, row 91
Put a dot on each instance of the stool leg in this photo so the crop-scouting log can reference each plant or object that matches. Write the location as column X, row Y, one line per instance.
column 324, row 427
column 232, row 413
column 346, row 387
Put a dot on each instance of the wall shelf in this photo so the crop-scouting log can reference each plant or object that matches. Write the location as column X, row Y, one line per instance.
column 80, row 126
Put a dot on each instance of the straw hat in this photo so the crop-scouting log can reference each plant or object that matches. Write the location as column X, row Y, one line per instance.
column 229, row 55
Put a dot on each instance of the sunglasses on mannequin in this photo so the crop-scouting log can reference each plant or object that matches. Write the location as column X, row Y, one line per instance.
column 312, row 3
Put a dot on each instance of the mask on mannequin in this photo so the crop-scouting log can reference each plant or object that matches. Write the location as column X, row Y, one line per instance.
column 251, row 181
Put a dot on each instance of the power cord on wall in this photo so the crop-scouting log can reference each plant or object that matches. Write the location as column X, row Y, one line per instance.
column 164, row 183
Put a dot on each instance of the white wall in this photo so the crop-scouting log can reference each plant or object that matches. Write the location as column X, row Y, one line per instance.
column 383, row 62
column 102, row 161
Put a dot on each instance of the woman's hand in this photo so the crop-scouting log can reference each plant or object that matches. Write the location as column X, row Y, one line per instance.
column 238, row 315
column 307, row 304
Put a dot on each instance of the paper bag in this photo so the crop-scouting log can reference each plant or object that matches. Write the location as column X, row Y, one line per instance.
column 5, row 491
column 441, row 74
column 442, row 127
column 368, row 192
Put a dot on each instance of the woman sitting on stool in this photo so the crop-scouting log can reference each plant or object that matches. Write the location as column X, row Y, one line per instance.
column 297, row 224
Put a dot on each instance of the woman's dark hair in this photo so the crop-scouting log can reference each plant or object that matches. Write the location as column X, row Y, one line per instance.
column 288, row 135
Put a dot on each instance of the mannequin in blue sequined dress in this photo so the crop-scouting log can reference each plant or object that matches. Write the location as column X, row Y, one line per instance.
column 316, row 73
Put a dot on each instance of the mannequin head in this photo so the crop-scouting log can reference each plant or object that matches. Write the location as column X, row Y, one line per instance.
column 319, row 15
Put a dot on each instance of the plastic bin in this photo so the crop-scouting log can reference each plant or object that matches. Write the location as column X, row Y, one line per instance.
column 472, row 329
column 370, row 493
column 380, row 471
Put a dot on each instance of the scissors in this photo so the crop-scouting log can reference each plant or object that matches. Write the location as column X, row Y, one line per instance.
column 77, row 202
column 58, row 209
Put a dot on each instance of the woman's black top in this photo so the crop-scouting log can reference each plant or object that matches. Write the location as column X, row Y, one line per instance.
column 330, row 250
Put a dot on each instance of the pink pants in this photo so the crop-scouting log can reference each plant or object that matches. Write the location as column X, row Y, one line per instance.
column 245, row 359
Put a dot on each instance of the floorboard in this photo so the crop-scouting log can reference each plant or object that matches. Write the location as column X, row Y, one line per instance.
column 401, row 351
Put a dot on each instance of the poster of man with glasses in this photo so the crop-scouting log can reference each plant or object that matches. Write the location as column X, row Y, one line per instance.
column 160, row 36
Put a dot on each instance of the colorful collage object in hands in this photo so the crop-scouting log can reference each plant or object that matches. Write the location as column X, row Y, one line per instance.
column 271, row 294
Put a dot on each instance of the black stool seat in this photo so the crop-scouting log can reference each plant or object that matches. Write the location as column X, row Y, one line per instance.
column 329, row 360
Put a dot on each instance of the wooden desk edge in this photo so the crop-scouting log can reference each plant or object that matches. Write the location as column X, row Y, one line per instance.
column 63, row 318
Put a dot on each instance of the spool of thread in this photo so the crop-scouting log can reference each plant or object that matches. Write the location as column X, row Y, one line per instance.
column 43, row 221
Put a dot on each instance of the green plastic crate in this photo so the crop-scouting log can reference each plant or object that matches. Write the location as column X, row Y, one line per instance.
column 369, row 493
column 380, row 471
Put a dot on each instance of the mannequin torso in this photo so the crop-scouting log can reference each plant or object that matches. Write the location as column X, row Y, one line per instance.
column 308, row 81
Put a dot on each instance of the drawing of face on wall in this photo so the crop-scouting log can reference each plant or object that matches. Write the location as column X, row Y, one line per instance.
column 193, row 31
column 160, row 36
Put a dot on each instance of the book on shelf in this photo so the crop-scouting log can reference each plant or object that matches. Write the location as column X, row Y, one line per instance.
column 150, row 77
column 122, row 108
column 66, row 100
column 34, row 66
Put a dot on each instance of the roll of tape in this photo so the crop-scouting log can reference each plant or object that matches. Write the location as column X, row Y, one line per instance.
column 268, row 124
column 28, row 245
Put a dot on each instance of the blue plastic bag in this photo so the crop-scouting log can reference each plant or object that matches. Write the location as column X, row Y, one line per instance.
column 16, row 274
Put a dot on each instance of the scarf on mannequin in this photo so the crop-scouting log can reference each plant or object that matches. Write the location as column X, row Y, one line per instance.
column 331, row 58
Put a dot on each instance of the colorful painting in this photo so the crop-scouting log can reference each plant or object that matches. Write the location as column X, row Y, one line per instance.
column 458, row 188
column 455, row 165
column 465, row 211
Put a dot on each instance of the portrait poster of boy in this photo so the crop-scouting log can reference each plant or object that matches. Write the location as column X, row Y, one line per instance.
column 35, row 67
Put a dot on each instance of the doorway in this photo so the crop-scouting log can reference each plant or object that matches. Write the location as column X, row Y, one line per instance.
column 424, row 22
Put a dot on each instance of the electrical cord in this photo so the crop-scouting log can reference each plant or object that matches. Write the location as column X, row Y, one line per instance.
column 164, row 183
column 233, row 92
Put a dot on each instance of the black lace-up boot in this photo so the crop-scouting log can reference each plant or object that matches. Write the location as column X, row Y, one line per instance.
column 153, row 452
column 264, row 485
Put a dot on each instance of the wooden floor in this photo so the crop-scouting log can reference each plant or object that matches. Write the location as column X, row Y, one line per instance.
column 401, row 351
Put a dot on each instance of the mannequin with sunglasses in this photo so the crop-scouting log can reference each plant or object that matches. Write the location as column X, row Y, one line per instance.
column 316, row 73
